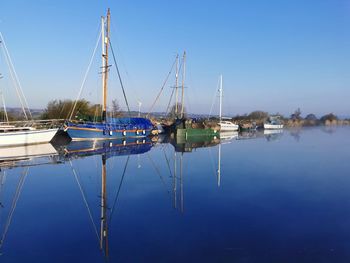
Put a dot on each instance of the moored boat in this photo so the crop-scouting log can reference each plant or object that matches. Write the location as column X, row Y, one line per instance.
column 119, row 128
column 107, row 128
column 273, row 123
column 25, row 136
column 228, row 126
column 225, row 125
column 22, row 132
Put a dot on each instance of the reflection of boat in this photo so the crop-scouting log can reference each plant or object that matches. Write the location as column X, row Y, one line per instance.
column 228, row 136
column 276, row 131
column 24, row 157
column 5, row 228
column 225, row 125
column 107, row 128
column 272, row 135
column 187, row 145
column 120, row 147
column 26, row 132
column 27, row 155
column 26, row 152
column 273, row 123
column 105, row 149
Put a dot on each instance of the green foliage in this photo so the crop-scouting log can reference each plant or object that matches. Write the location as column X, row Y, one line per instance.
column 3, row 117
column 61, row 109
column 311, row 117
column 258, row 115
column 296, row 115
column 329, row 117
column 115, row 109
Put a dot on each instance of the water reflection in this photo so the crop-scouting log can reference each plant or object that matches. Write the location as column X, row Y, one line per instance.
column 237, row 210
column 28, row 155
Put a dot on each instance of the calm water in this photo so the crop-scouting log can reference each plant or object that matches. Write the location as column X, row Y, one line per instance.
column 278, row 198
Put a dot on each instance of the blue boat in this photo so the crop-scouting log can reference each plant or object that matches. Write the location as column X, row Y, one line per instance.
column 113, row 128
column 108, row 128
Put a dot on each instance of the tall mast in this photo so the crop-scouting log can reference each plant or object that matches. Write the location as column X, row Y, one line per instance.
column 183, row 84
column 105, row 41
column 220, row 92
column 176, row 85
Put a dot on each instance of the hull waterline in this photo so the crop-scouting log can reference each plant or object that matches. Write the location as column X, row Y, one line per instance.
column 81, row 134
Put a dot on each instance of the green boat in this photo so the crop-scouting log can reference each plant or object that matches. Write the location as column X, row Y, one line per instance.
column 190, row 130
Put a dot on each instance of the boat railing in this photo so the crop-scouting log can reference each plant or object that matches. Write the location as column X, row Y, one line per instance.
column 36, row 124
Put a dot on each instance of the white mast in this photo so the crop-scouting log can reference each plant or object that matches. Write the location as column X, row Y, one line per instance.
column 219, row 166
column 139, row 103
column 183, row 84
column 220, row 92
column 176, row 85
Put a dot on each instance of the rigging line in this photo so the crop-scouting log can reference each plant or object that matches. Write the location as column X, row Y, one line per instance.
column 16, row 77
column 84, row 198
column 2, row 181
column 64, row 105
column 85, row 76
column 119, row 188
column 129, row 77
column 168, row 163
column 214, row 99
column 158, row 172
column 171, row 97
column 212, row 161
column 14, row 205
column 172, row 93
column 120, row 79
column 162, row 88
column 13, row 76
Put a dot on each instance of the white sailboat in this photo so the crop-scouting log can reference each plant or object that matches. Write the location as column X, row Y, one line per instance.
column 225, row 125
column 27, row 132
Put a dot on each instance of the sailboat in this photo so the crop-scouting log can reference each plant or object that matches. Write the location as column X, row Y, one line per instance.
column 225, row 125
column 107, row 128
column 28, row 131
column 186, row 128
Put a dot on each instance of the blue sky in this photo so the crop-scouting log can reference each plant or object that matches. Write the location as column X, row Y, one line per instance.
column 274, row 55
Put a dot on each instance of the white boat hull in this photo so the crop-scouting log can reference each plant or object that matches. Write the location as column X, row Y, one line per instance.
column 228, row 127
column 8, row 139
column 273, row 126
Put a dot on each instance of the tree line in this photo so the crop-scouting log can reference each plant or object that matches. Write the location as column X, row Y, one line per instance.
column 62, row 109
